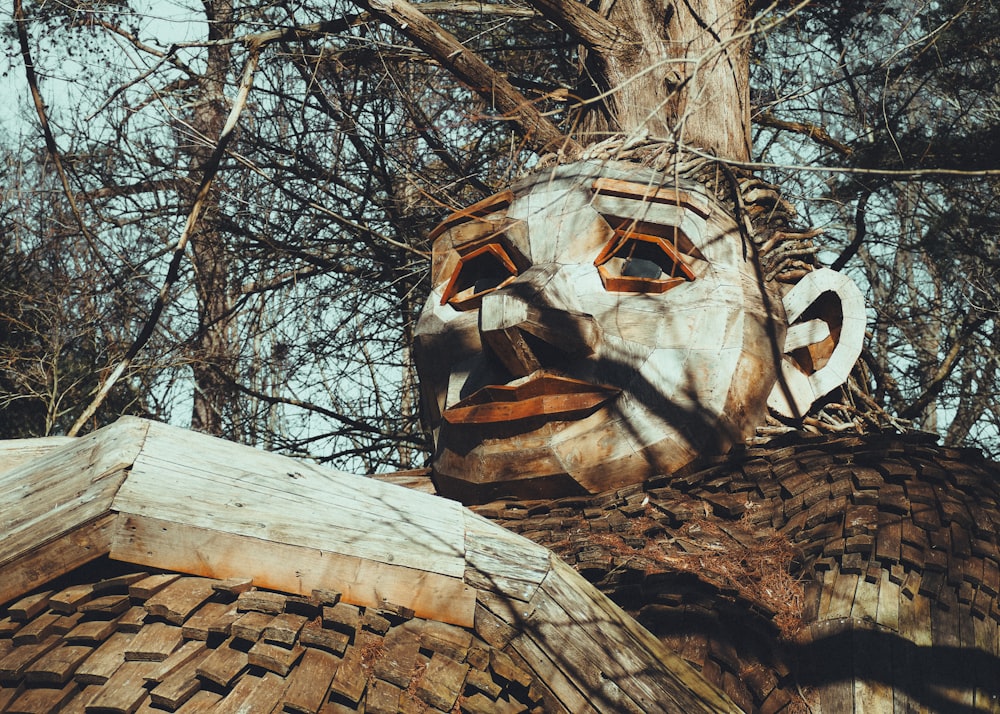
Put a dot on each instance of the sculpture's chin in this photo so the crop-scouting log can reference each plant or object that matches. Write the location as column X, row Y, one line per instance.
column 539, row 395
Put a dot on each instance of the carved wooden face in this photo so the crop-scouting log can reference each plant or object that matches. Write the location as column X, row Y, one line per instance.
column 587, row 329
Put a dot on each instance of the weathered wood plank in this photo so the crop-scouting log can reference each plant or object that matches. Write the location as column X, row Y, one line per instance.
column 616, row 660
column 181, row 683
column 56, row 667
column 289, row 568
column 866, row 601
column 92, row 632
column 211, row 618
column 179, row 599
column 179, row 658
column 323, row 509
column 15, row 662
column 257, row 694
column 154, row 643
column 349, row 680
column 15, row 452
column 105, row 660
column 284, row 629
column 310, row 682
column 275, row 658
column 887, row 614
column 498, row 560
column 223, row 664
column 68, row 599
column 69, row 487
column 43, row 700
column 124, row 691
column 51, row 557
column 150, row 585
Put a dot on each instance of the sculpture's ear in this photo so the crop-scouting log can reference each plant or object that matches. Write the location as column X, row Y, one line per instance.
column 826, row 330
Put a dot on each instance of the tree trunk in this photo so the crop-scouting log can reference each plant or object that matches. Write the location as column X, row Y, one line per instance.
column 684, row 76
column 212, row 344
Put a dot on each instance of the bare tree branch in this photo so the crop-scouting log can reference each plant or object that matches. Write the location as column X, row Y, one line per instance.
column 466, row 65
column 211, row 169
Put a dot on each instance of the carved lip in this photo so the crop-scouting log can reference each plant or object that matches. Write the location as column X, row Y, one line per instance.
column 539, row 395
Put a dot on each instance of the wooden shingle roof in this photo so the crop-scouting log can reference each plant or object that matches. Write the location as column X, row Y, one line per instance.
column 839, row 573
column 193, row 574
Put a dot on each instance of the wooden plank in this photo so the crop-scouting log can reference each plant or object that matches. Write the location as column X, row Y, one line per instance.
column 92, row 632
column 309, row 683
column 479, row 209
column 69, row 487
column 872, row 657
column 133, row 619
column 105, row 660
column 150, row 585
column 179, row 599
column 37, row 629
column 154, row 643
column 43, row 700
column 181, row 683
column 124, row 691
column 15, row 452
column 651, row 193
column 179, row 658
column 223, row 664
column 57, row 666
column 8, row 695
column 202, row 701
column 499, row 560
column 383, row 698
column 614, row 656
column 107, row 606
column 866, row 600
column 401, row 653
column 262, row 601
column 284, row 629
column 15, row 662
column 442, row 682
column 289, row 568
column 50, row 558
column 350, row 679
column 68, row 599
column 275, row 658
column 565, row 690
column 887, row 614
column 842, row 599
column 321, row 509
column 253, row 694
column 211, row 618
column 250, row 625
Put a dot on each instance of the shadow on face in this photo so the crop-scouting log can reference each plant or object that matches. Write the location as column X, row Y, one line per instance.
column 590, row 328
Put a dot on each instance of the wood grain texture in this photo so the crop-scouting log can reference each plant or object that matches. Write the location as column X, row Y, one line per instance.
column 239, row 490
column 66, row 488
column 292, row 569
column 51, row 557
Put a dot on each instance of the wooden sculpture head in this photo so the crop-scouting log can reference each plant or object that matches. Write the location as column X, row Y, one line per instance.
column 596, row 325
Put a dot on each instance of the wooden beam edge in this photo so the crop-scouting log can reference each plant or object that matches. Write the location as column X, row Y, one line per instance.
column 57, row 556
column 666, row 681
column 153, row 542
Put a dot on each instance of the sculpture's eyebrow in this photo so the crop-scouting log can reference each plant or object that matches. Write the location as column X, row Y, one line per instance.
column 477, row 210
column 648, row 193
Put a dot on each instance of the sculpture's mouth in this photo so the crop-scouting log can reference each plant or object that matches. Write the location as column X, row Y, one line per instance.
column 540, row 394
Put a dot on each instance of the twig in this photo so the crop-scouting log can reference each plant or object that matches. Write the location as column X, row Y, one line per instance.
column 211, row 170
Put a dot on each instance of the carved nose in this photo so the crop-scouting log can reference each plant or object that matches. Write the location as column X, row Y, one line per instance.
column 527, row 337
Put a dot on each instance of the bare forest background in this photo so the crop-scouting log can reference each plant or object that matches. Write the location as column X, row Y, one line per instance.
column 215, row 214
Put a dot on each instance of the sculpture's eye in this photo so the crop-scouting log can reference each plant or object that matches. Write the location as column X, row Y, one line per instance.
column 479, row 271
column 639, row 260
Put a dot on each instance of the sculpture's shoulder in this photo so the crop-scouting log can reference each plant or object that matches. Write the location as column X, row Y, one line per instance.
column 844, row 569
